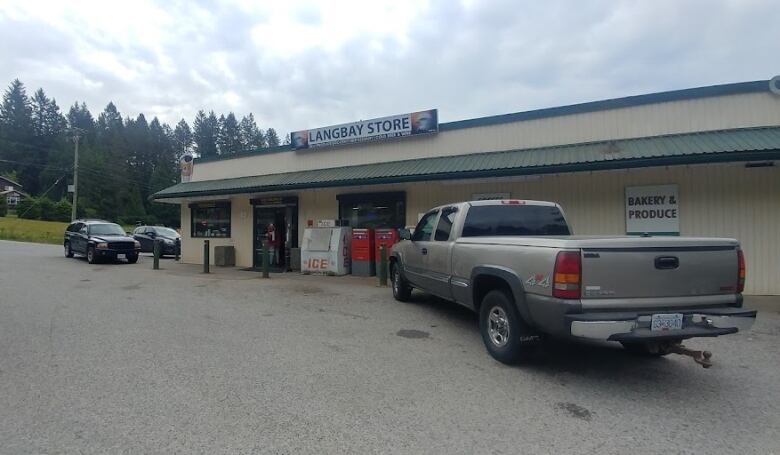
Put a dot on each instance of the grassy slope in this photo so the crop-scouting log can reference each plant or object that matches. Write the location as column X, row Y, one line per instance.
column 32, row 230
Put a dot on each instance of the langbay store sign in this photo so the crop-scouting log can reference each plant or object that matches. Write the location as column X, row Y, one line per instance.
column 423, row 122
column 653, row 210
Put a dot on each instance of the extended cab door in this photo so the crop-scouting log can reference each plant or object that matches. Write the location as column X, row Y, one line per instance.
column 438, row 261
column 416, row 255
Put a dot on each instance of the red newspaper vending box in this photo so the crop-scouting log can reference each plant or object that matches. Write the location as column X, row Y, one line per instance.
column 363, row 263
column 386, row 237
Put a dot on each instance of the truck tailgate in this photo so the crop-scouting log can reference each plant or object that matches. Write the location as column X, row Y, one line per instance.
column 659, row 268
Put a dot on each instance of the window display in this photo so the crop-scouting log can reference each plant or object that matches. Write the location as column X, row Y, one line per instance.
column 211, row 219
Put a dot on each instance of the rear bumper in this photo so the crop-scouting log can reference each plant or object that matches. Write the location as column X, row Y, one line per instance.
column 635, row 326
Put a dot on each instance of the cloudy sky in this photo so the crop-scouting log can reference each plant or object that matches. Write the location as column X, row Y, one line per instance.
column 304, row 64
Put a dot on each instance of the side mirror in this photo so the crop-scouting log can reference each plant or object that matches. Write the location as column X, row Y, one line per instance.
column 405, row 234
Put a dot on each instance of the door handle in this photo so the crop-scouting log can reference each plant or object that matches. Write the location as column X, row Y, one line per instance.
column 425, row 251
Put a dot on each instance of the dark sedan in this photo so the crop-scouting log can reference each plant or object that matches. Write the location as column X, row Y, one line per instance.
column 99, row 240
column 146, row 236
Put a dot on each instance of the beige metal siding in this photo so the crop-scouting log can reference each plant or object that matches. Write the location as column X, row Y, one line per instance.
column 715, row 201
column 705, row 114
column 241, row 220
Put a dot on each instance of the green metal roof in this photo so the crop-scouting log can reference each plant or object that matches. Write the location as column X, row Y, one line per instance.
column 704, row 147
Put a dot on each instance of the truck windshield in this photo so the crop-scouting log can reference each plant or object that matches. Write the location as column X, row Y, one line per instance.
column 106, row 229
column 489, row 220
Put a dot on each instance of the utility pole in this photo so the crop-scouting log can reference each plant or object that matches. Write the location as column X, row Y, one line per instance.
column 76, row 135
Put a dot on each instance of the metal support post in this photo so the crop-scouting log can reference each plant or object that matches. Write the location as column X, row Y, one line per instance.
column 265, row 259
column 382, row 272
column 157, row 247
column 205, row 256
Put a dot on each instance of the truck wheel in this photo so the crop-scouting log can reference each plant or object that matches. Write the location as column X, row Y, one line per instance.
column 401, row 289
column 502, row 328
column 132, row 258
column 647, row 349
column 68, row 251
column 91, row 256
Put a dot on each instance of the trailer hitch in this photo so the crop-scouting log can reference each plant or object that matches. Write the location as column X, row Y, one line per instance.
column 700, row 357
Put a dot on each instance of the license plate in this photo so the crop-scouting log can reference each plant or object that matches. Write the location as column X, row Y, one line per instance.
column 120, row 256
column 663, row 322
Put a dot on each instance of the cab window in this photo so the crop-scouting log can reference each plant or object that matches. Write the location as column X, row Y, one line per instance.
column 444, row 227
column 424, row 228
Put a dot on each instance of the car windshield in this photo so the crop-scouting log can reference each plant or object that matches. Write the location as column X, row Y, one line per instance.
column 166, row 232
column 106, row 229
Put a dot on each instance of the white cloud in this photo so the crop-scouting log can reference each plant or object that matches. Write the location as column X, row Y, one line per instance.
column 299, row 64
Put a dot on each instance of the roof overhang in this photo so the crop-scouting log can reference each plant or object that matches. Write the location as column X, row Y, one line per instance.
column 750, row 144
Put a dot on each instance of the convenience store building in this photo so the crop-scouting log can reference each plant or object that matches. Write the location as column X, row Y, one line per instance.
column 692, row 162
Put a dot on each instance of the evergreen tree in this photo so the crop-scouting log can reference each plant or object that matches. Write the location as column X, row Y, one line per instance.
column 16, row 112
column 182, row 138
column 252, row 137
column 229, row 135
column 47, row 120
column 16, row 134
column 204, row 133
column 271, row 138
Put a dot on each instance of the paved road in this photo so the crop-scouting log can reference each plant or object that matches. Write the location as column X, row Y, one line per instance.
column 118, row 358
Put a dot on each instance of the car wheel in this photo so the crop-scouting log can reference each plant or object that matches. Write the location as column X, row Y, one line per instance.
column 91, row 256
column 648, row 349
column 401, row 289
column 504, row 332
column 132, row 258
column 68, row 251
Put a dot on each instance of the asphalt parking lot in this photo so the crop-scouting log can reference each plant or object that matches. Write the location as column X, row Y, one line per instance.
column 118, row 358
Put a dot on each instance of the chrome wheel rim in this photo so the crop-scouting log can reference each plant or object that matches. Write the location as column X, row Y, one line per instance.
column 498, row 326
column 396, row 281
column 90, row 255
column 67, row 249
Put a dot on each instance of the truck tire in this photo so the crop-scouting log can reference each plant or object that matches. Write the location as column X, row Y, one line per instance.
column 68, row 250
column 401, row 289
column 503, row 330
column 132, row 258
column 648, row 349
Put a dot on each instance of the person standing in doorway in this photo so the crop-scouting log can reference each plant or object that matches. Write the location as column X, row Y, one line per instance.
column 273, row 244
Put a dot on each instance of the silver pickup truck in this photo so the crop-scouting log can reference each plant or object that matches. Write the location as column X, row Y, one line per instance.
column 517, row 264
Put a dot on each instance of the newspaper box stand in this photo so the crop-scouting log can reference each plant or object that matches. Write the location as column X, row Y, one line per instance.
column 363, row 252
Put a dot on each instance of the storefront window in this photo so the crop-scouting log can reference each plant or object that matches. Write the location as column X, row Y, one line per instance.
column 373, row 210
column 211, row 219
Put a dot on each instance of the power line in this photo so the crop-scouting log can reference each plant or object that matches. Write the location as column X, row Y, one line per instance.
column 40, row 198
column 43, row 166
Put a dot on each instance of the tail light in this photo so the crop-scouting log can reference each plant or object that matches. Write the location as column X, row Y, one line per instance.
column 567, row 275
column 741, row 275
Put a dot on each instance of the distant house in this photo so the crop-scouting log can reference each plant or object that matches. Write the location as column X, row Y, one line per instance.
column 11, row 191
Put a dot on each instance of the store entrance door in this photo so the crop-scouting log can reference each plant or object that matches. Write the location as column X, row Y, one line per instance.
column 270, row 224
column 282, row 213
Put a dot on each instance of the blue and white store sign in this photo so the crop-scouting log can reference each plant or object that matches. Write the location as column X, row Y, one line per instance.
column 423, row 122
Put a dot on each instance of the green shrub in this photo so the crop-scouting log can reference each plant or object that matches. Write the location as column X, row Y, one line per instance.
column 3, row 206
column 28, row 208
column 62, row 210
column 46, row 209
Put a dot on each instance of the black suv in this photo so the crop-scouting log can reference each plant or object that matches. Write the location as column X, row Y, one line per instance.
column 146, row 235
column 98, row 239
